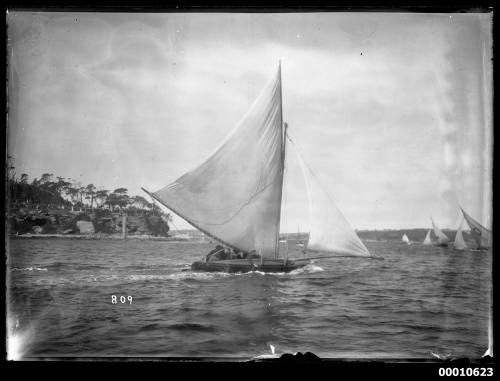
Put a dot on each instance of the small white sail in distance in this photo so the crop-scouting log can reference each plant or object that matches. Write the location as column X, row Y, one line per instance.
column 267, row 356
column 405, row 239
column 442, row 238
column 459, row 243
column 427, row 240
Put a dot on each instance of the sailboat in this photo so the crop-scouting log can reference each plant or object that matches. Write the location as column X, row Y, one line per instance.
column 299, row 243
column 459, row 243
column 481, row 235
column 235, row 196
column 405, row 239
column 442, row 239
column 427, row 240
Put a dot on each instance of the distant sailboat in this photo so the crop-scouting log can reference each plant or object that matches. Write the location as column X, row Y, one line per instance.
column 442, row 239
column 459, row 243
column 235, row 196
column 427, row 240
column 481, row 235
column 405, row 239
column 299, row 243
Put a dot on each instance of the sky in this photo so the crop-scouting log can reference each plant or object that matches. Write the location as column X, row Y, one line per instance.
column 393, row 111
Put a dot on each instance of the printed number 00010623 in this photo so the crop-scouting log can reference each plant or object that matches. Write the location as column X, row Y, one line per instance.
column 465, row 372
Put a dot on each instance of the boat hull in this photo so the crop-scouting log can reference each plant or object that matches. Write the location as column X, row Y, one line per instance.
column 441, row 244
column 246, row 265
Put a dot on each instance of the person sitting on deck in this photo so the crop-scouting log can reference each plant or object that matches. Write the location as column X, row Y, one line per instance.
column 232, row 254
column 213, row 255
column 225, row 254
column 252, row 254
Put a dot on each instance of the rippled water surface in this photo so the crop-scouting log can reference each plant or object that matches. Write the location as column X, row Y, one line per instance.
column 419, row 299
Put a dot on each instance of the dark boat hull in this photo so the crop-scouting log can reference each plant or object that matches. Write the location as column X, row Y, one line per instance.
column 441, row 245
column 246, row 265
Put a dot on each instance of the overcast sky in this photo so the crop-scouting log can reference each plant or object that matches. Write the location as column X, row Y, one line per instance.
column 393, row 111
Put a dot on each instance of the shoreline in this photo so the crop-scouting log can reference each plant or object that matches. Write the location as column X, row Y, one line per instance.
column 117, row 237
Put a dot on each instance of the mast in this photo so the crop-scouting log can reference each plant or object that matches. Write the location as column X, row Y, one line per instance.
column 283, row 169
column 283, row 142
column 246, row 213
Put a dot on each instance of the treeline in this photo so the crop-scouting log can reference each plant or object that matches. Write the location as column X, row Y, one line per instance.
column 55, row 192
column 415, row 234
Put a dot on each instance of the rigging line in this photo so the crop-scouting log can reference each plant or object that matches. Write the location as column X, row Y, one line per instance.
column 327, row 193
column 310, row 169
column 307, row 185
column 332, row 199
column 286, row 177
column 285, row 200
column 285, row 210
column 176, row 228
column 283, row 128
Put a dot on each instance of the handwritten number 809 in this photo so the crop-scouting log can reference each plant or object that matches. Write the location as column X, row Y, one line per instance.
column 122, row 299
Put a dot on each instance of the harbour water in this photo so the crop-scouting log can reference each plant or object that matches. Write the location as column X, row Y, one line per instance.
column 418, row 300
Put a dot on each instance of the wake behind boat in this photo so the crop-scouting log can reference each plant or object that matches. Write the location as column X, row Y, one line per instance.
column 235, row 197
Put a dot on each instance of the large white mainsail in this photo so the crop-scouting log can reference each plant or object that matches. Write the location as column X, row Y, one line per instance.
column 442, row 238
column 481, row 235
column 459, row 243
column 427, row 240
column 235, row 195
column 330, row 232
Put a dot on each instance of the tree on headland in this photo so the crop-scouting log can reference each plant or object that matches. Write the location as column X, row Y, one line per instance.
column 46, row 178
column 73, row 195
column 140, row 202
column 101, row 196
column 90, row 190
column 121, row 197
column 118, row 198
column 62, row 184
column 121, row 191
column 63, row 188
column 23, row 187
column 11, row 173
column 81, row 193
column 56, row 192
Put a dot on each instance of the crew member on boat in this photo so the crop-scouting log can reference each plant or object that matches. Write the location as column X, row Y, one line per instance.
column 233, row 254
column 214, row 254
column 226, row 254
column 252, row 254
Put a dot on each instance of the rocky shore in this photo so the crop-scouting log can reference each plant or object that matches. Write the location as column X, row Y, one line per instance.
column 96, row 224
